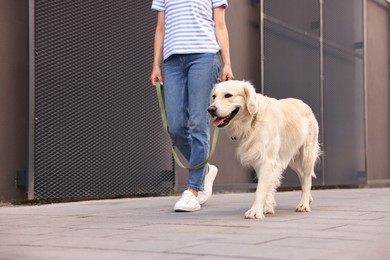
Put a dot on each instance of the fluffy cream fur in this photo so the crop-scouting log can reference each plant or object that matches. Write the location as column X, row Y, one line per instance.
column 272, row 134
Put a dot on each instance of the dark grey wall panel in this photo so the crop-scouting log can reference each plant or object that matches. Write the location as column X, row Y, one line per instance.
column 96, row 124
column 344, row 115
column 292, row 59
column 314, row 50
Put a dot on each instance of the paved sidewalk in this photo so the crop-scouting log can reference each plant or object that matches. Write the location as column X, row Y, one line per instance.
column 343, row 224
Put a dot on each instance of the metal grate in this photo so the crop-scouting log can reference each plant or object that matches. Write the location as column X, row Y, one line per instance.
column 96, row 124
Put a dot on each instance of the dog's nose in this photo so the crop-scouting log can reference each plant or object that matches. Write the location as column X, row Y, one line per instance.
column 212, row 110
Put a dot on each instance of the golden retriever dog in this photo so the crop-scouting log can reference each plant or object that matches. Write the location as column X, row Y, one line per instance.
column 272, row 134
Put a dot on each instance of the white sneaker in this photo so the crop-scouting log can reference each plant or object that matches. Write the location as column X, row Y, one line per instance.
column 205, row 195
column 187, row 202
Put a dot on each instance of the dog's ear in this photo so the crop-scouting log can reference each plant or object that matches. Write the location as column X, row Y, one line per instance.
column 250, row 98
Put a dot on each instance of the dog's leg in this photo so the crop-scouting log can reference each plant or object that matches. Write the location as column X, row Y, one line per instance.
column 269, row 178
column 306, row 198
column 304, row 163
column 256, row 211
column 269, row 207
column 305, row 173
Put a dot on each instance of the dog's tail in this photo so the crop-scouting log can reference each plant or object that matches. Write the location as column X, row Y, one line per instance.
column 311, row 148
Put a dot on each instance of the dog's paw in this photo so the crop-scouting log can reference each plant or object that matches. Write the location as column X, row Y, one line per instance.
column 302, row 207
column 269, row 209
column 254, row 213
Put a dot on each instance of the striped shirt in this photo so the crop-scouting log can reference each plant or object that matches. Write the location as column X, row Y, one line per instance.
column 189, row 25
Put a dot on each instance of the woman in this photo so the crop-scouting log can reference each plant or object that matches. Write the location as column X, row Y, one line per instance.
column 189, row 37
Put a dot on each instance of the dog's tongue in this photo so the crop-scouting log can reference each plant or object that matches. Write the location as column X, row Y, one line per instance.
column 218, row 121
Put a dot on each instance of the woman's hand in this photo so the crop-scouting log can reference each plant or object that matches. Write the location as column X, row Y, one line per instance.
column 156, row 76
column 227, row 73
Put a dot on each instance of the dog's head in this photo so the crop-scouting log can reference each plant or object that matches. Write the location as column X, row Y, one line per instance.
column 232, row 99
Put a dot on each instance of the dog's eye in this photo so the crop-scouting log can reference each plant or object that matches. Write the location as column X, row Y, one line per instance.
column 228, row 95
column 213, row 96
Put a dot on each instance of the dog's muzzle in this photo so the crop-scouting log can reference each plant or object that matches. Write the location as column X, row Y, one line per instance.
column 221, row 121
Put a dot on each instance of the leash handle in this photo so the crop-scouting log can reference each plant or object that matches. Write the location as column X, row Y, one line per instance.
column 161, row 102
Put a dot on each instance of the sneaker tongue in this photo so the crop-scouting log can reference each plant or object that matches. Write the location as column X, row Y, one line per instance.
column 188, row 194
column 218, row 121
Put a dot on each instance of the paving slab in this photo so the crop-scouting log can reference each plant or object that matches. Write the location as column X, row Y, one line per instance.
column 343, row 224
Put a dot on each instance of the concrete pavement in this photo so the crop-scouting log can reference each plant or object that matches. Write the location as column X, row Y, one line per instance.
column 343, row 224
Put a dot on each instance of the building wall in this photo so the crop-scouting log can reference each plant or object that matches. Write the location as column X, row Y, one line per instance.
column 242, row 19
column 378, row 90
column 13, row 95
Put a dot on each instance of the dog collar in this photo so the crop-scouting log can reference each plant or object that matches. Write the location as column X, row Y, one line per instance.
column 253, row 122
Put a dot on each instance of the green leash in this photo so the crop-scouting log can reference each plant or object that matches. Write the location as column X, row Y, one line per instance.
column 161, row 102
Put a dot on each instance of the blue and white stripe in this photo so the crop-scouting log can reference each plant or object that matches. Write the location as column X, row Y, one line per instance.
column 189, row 25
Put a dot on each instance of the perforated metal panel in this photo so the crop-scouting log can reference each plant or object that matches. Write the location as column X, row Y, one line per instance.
column 94, row 115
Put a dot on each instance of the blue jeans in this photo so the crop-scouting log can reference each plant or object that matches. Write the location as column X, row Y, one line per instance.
column 188, row 81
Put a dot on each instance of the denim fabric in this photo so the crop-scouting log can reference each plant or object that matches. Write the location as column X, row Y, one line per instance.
column 188, row 80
